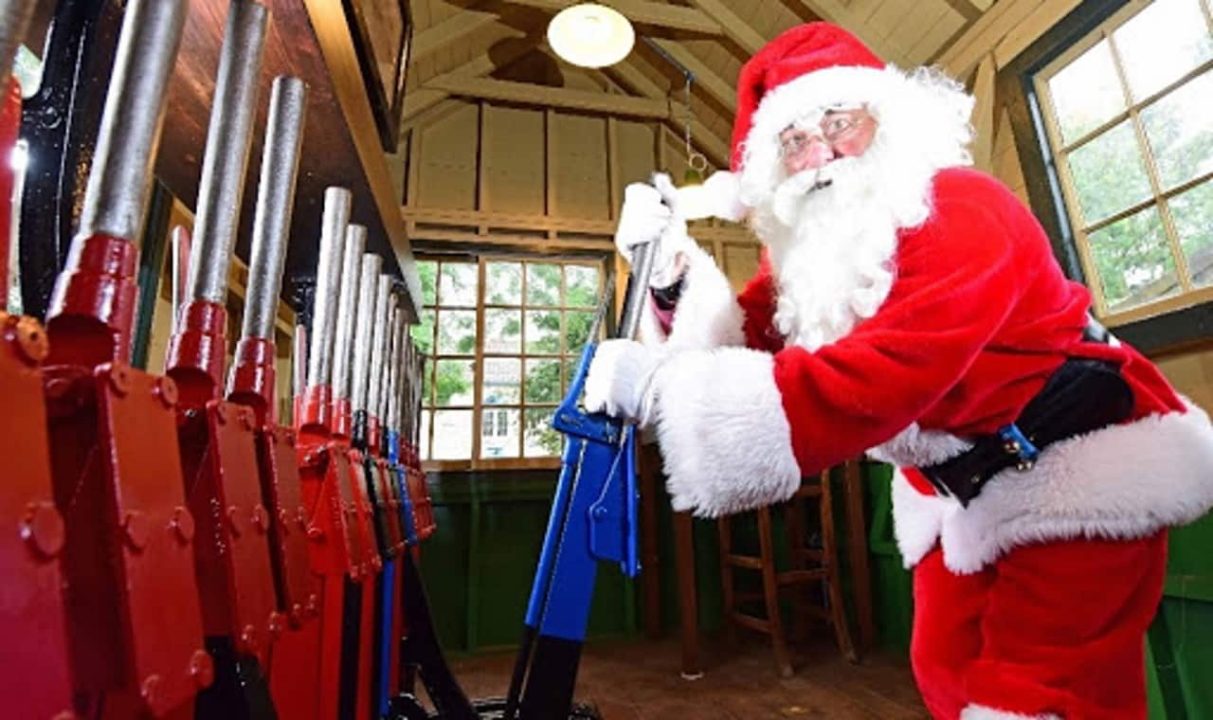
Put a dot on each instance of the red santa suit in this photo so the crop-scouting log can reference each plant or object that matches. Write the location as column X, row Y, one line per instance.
column 1032, row 601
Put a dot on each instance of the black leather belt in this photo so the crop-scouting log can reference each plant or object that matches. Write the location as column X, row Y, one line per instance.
column 1081, row 396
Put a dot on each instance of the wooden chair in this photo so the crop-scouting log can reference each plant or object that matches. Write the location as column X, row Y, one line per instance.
column 809, row 565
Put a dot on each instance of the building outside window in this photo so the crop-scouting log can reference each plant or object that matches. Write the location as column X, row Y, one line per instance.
column 1128, row 114
column 501, row 338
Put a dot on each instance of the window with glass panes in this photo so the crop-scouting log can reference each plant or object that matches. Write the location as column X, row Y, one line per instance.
column 502, row 337
column 1129, row 121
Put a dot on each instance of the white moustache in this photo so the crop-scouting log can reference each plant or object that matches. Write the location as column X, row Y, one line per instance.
column 788, row 199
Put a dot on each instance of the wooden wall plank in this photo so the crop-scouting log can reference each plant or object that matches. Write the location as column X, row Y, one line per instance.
column 946, row 25
column 740, row 262
column 580, row 167
column 983, row 113
column 636, row 159
column 911, row 35
column 512, row 161
column 447, row 175
column 1005, row 163
column 737, row 29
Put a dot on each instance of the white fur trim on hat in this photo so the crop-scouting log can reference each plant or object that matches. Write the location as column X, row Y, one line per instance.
column 725, row 438
column 981, row 712
column 1123, row 482
column 923, row 108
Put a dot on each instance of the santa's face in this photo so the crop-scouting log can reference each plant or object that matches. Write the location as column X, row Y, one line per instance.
column 831, row 223
column 834, row 134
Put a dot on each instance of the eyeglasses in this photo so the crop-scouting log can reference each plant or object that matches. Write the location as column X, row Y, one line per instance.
column 835, row 125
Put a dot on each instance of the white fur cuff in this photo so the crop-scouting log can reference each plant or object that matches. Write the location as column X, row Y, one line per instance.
column 981, row 712
column 724, row 435
column 707, row 315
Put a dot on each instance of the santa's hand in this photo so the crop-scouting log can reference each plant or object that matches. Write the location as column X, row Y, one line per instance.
column 650, row 215
column 620, row 380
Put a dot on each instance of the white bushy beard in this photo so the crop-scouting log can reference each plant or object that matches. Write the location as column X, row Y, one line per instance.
column 832, row 235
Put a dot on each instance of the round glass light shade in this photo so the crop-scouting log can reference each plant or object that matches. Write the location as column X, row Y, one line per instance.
column 591, row 35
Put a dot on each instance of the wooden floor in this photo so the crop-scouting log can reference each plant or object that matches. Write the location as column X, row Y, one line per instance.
column 639, row 680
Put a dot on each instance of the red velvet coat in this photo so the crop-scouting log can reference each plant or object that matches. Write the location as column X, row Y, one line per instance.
column 978, row 317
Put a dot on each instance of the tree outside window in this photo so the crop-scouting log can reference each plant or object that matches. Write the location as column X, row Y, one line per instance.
column 501, row 337
column 1128, row 120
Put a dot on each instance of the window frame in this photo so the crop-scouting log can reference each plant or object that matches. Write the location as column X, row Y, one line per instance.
column 1056, row 154
column 564, row 358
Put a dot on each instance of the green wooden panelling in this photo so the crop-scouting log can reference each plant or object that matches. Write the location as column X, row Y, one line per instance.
column 892, row 584
column 1190, row 562
column 511, row 536
column 1181, row 638
column 1180, row 661
column 444, row 567
column 480, row 563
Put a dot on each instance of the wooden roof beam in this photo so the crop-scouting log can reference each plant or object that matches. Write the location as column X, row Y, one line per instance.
column 431, row 115
column 544, row 96
column 839, row 13
column 967, row 9
column 711, row 145
column 1008, row 28
column 420, row 99
column 642, row 12
column 734, row 27
column 454, row 29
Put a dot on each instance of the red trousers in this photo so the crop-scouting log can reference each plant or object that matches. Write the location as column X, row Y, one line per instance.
column 1048, row 630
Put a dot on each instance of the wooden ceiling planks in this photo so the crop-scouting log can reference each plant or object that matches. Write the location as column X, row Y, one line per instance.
column 703, row 35
column 332, row 153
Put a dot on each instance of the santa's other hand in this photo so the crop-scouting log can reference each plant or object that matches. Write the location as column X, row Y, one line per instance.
column 643, row 218
column 619, row 382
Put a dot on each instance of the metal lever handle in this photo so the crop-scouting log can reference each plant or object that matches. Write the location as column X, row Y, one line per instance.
column 643, row 258
column 229, row 138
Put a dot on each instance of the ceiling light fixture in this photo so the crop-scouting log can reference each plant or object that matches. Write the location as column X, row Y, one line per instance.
column 591, row 35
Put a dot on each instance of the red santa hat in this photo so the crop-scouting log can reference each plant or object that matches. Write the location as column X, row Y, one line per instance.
column 813, row 67
column 796, row 71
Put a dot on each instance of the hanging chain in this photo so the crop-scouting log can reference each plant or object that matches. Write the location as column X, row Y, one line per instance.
column 696, row 161
column 689, row 116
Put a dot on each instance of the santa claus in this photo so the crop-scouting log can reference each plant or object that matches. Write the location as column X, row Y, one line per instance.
column 911, row 307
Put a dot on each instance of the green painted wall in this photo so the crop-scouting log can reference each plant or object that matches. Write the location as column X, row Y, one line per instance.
column 479, row 564
column 1180, row 644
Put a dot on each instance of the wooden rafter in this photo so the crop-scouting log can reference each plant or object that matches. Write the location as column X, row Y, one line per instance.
column 420, row 99
column 966, row 8
column 1009, row 27
column 734, row 27
column 431, row 115
column 454, row 29
column 983, row 114
column 838, row 12
column 542, row 95
column 716, row 149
